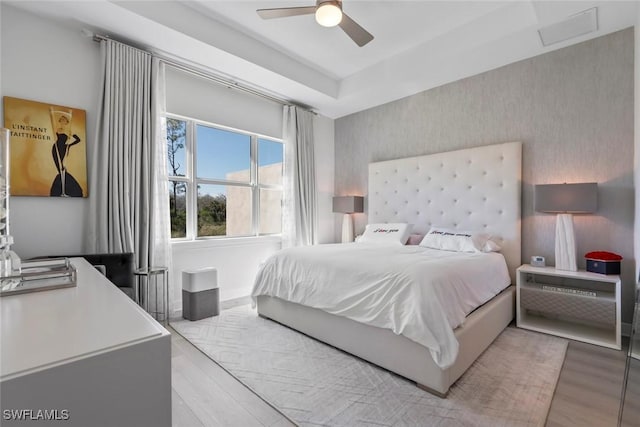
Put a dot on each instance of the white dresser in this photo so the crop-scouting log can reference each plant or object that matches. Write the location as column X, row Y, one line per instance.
column 87, row 355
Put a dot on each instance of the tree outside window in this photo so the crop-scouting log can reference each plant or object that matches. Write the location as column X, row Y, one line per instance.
column 176, row 167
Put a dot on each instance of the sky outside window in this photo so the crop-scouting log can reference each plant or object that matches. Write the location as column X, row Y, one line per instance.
column 269, row 152
column 221, row 152
column 227, row 155
column 226, row 208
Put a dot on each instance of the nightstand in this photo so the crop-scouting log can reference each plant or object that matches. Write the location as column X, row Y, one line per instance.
column 578, row 305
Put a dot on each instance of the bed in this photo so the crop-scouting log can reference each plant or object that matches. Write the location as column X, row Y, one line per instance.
column 471, row 189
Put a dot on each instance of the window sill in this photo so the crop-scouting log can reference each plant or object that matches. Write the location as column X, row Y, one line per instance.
column 226, row 242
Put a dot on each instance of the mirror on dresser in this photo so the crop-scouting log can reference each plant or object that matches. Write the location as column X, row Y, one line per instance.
column 630, row 402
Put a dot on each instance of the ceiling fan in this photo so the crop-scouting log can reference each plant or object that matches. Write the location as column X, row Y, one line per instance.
column 328, row 14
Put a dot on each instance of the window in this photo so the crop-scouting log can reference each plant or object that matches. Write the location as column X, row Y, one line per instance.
column 222, row 182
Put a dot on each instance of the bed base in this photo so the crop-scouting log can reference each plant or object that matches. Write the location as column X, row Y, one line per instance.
column 395, row 352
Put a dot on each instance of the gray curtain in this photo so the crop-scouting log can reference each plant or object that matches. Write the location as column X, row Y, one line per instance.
column 300, row 222
column 124, row 166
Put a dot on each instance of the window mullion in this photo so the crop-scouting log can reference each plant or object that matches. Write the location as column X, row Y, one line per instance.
column 192, row 187
column 255, row 205
column 224, row 182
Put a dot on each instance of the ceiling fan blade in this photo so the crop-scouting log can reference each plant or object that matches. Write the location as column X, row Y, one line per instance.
column 284, row 12
column 355, row 31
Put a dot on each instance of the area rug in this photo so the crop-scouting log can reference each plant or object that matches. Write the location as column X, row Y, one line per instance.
column 511, row 384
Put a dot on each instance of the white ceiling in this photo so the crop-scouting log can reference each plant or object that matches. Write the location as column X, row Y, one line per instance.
column 418, row 44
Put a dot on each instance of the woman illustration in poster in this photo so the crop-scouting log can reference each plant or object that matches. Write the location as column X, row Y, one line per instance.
column 64, row 184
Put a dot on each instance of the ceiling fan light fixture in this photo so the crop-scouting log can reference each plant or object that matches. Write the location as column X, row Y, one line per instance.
column 328, row 14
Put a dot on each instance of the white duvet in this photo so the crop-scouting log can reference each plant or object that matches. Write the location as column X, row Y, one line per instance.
column 420, row 293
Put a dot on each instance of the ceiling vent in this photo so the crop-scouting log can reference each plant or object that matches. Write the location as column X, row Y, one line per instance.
column 574, row 26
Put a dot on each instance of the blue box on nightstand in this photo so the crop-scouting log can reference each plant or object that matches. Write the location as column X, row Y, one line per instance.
column 603, row 262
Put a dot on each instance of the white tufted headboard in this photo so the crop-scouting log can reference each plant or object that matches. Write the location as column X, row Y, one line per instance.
column 475, row 189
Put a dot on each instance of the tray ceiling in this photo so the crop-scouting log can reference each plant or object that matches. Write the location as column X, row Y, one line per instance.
column 418, row 45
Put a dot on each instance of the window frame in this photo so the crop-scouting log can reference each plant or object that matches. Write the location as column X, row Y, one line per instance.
column 192, row 181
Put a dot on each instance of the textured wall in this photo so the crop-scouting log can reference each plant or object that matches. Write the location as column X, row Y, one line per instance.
column 31, row 67
column 571, row 108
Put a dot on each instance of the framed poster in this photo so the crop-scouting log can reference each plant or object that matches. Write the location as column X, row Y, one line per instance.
column 48, row 149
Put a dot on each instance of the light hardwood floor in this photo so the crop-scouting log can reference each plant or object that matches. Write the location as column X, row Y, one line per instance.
column 631, row 413
column 204, row 394
column 589, row 388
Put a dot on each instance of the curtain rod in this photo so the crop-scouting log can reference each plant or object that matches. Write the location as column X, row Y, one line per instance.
column 211, row 76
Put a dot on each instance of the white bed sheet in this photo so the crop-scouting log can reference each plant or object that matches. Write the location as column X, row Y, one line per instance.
column 420, row 293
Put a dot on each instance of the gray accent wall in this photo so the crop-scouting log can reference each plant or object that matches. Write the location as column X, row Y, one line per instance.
column 573, row 110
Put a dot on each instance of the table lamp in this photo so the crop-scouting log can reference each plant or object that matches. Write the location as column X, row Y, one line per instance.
column 566, row 200
column 348, row 205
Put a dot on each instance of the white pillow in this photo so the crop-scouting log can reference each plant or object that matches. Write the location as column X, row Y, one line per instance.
column 394, row 234
column 459, row 241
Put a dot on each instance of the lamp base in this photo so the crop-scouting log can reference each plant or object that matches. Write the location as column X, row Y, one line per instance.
column 565, row 243
column 347, row 228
